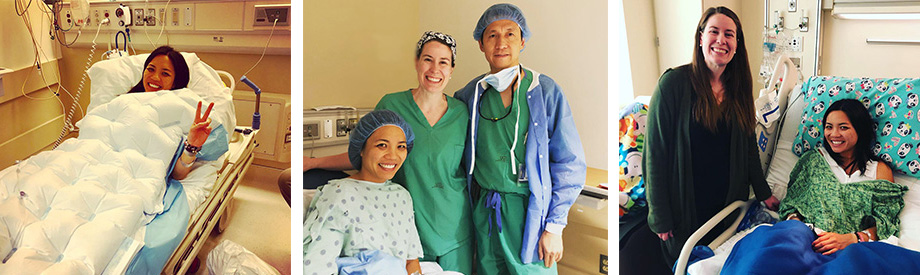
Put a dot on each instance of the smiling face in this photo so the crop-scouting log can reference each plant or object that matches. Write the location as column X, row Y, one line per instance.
column 502, row 44
column 840, row 134
column 383, row 154
column 159, row 74
column 434, row 67
column 718, row 42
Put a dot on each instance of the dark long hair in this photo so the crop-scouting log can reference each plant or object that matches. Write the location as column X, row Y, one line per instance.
column 865, row 136
column 180, row 69
column 736, row 80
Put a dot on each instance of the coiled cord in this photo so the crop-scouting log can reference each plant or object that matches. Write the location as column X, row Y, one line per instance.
column 76, row 100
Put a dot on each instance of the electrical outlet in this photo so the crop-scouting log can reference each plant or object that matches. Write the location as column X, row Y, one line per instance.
column 175, row 17
column 795, row 44
column 341, row 128
column 151, row 18
column 67, row 18
column 139, row 17
column 352, row 123
column 792, row 5
column 265, row 15
column 311, row 131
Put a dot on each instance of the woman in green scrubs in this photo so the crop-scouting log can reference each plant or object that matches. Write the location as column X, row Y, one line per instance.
column 432, row 172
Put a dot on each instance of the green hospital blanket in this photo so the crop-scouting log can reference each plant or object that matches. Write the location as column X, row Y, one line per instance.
column 827, row 203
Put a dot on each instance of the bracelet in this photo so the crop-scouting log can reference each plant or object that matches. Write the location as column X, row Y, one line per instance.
column 191, row 149
column 184, row 164
column 868, row 235
column 857, row 237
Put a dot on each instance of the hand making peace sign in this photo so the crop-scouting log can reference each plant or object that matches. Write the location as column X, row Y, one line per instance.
column 201, row 127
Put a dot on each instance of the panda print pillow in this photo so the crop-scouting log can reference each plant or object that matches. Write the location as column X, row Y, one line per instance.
column 891, row 102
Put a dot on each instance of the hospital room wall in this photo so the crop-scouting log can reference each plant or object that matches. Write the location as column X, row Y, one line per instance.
column 355, row 52
column 846, row 53
column 341, row 67
column 29, row 125
column 671, row 27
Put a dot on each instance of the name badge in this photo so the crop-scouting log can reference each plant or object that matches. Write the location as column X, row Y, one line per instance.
column 522, row 173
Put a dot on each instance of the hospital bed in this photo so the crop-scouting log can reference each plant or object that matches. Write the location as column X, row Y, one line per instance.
column 47, row 226
column 804, row 101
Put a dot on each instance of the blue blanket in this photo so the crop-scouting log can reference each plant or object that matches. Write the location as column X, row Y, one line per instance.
column 785, row 248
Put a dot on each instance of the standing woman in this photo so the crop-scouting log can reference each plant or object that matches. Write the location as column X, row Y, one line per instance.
column 701, row 156
column 432, row 174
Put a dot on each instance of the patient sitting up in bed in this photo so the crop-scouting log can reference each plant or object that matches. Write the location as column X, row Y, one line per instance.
column 872, row 202
column 366, row 217
column 165, row 69
column 845, row 194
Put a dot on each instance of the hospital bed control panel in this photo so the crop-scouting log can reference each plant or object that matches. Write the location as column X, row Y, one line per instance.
column 325, row 129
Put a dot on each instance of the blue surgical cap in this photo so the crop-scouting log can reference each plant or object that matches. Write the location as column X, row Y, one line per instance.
column 501, row 12
column 366, row 127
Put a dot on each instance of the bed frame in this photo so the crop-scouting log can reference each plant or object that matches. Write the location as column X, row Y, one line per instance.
column 215, row 210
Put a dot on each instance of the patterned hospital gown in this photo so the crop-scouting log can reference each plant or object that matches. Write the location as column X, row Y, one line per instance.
column 349, row 215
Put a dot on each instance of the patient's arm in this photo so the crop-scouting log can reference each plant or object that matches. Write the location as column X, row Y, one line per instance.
column 197, row 135
column 183, row 165
column 338, row 162
column 412, row 266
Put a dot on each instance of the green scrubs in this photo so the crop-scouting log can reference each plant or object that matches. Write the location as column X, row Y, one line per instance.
column 433, row 175
column 499, row 250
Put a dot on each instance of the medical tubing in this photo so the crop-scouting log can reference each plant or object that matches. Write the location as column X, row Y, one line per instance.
column 76, row 100
column 162, row 24
column 264, row 48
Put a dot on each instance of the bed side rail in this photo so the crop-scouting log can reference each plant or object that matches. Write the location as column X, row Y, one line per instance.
column 681, row 267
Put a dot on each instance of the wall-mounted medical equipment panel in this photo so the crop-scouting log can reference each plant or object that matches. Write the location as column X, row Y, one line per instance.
column 274, row 140
column 792, row 29
column 224, row 26
column 325, row 129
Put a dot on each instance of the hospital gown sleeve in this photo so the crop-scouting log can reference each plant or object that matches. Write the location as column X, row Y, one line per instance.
column 415, row 251
column 566, row 157
column 658, row 156
column 324, row 233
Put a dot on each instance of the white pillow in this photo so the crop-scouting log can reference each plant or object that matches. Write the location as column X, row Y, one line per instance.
column 114, row 77
column 110, row 78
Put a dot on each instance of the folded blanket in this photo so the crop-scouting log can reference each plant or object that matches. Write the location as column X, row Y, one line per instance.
column 821, row 199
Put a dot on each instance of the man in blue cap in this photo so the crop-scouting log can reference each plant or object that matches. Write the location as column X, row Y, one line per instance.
column 523, row 152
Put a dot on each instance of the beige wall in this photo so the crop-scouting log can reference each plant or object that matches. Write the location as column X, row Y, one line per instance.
column 569, row 43
column 675, row 23
column 643, row 53
column 28, row 124
column 846, row 53
column 355, row 52
column 751, row 16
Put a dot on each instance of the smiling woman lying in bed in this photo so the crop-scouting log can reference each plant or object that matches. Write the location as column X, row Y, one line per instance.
column 165, row 69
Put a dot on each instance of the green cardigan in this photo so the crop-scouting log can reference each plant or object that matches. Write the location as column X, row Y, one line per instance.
column 666, row 163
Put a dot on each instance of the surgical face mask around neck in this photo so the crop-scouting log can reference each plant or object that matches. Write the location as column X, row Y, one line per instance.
column 502, row 79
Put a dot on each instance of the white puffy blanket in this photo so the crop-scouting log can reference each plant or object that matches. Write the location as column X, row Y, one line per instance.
column 68, row 211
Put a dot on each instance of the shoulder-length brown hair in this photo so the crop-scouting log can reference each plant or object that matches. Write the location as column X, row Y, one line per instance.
column 738, row 107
